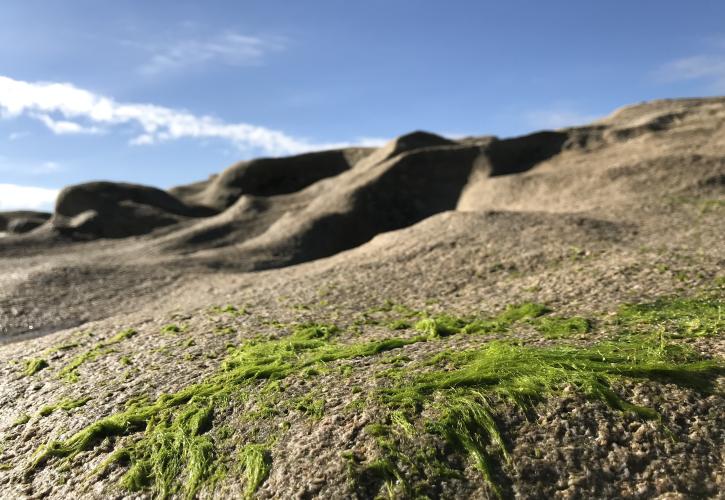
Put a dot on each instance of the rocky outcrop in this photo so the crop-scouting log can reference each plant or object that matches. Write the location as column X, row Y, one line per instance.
column 268, row 177
column 22, row 221
column 117, row 210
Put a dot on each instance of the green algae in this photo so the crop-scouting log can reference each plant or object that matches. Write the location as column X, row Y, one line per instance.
column 170, row 450
column 680, row 317
column 443, row 325
column 65, row 404
column 175, row 455
column 391, row 314
column 460, row 391
column 21, row 420
column 33, row 366
column 560, row 327
column 69, row 372
column 172, row 328
column 230, row 310
column 256, row 465
column 310, row 406
column 60, row 348
column 399, row 324
column 440, row 326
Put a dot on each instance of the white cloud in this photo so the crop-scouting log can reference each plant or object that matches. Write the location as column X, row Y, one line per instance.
column 65, row 108
column 557, row 117
column 61, row 127
column 14, row 197
column 709, row 68
column 228, row 48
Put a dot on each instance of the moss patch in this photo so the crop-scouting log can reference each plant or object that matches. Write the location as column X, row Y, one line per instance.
column 256, row 464
column 21, row 420
column 169, row 446
column 70, row 371
column 65, row 404
column 443, row 325
column 459, row 393
column 33, row 366
column 678, row 317
column 559, row 328
column 175, row 454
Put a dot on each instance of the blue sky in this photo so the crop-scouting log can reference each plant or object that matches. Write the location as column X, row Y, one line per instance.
column 168, row 92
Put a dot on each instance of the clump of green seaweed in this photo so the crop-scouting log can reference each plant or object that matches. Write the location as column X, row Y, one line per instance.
column 554, row 327
column 175, row 443
column 256, row 465
column 679, row 317
column 443, row 325
column 460, row 392
column 65, row 404
column 167, row 445
column 69, row 372
column 33, row 366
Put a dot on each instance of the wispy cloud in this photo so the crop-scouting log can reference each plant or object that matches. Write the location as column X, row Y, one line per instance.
column 13, row 197
column 706, row 68
column 557, row 117
column 61, row 127
column 229, row 48
column 66, row 109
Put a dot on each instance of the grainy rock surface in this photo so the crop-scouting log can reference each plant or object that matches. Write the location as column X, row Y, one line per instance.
column 627, row 210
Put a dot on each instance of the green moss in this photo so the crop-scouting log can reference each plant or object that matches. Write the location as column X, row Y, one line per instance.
column 230, row 310
column 444, row 325
column 125, row 361
column 399, row 324
column 170, row 450
column 60, row 348
column 523, row 311
column 172, row 328
column 65, row 404
column 311, row 406
column 310, row 331
column 69, row 372
column 459, row 393
column 400, row 420
column 440, row 326
column 256, row 464
column 559, row 327
column 679, row 317
column 377, row 429
column 21, row 420
column 121, row 336
column 33, row 366
column 175, row 455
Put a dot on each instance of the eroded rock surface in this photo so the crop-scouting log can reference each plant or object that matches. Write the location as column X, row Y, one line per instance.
column 533, row 317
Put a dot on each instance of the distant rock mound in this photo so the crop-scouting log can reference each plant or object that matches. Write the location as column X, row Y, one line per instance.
column 118, row 210
column 274, row 212
column 407, row 180
column 22, row 221
column 268, row 177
